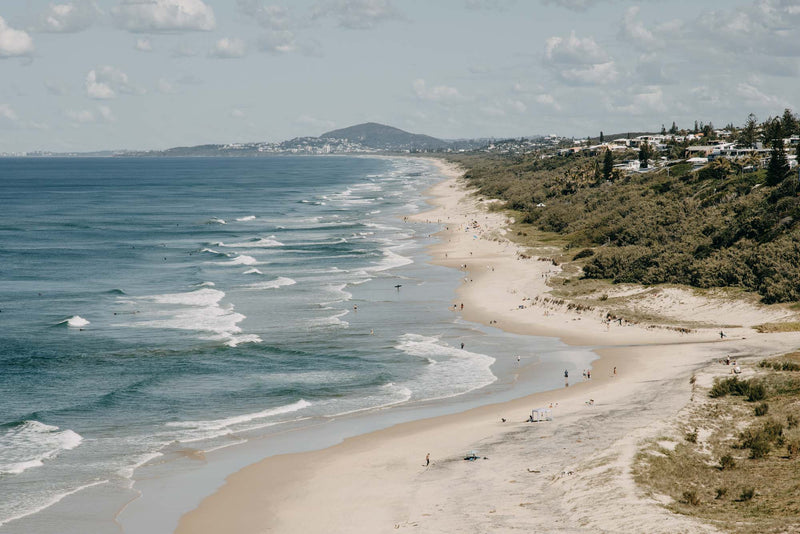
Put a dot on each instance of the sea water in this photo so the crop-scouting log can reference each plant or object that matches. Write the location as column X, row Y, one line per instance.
column 150, row 306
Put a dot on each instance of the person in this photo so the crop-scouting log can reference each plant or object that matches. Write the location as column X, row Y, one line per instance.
column 462, row 305
column 588, row 374
column 427, row 459
column 615, row 370
column 721, row 334
column 462, row 345
column 518, row 359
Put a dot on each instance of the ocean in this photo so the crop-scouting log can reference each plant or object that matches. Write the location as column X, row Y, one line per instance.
column 154, row 308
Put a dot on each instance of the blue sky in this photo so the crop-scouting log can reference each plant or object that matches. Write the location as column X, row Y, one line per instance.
column 150, row 74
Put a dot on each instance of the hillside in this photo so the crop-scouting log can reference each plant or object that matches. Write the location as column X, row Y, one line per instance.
column 380, row 136
column 716, row 227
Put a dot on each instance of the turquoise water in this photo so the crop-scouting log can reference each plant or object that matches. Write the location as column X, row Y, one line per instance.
column 154, row 305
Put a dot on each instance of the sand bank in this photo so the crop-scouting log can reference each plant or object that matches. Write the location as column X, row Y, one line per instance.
column 570, row 474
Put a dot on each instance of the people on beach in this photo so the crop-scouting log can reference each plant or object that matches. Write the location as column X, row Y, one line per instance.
column 518, row 359
column 615, row 370
column 427, row 459
column 462, row 345
column 721, row 334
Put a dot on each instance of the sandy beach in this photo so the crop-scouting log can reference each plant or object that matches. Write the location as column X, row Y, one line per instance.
column 569, row 474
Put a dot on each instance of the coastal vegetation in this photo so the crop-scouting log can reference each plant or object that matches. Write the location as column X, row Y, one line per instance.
column 729, row 223
column 736, row 464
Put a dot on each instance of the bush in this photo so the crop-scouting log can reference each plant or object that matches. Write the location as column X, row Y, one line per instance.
column 585, row 253
column 762, row 409
column 747, row 494
column 727, row 462
column 691, row 437
column 791, row 421
column 721, row 492
column 690, row 496
column 793, row 448
column 759, row 449
column 756, row 392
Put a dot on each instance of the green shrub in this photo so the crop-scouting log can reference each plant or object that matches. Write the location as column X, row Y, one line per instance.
column 747, row 494
column 762, row 409
column 721, row 492
column 793, row 448
column 727, row 462
column 791, row 421
column 690, row 497
column 691, row 437
column 756, row 392
column 585, row 253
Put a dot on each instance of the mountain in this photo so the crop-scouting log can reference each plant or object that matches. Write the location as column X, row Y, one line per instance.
column 380, row 136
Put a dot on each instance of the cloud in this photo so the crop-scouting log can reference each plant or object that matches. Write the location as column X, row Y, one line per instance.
column 315, row 123
column 69, row 17
column 228, row 48
column 56, row 88
column 572, row 5
column 8, row 114
column 184, row 50
column 88, row 116
column 106, row 82
column 164, row 16
column 548, row 100
column 356, row 14
column 14, row 42
column 237, row 113
column 752, row 95
column 144, row 45
column 579, row 61
column 438, row 93
column 633, row 30
column 165, row 87
column 273, row 17
column 489, row 5
column 647, row 100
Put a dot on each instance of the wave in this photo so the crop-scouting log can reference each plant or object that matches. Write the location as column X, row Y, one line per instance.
column 262, row 242
column 31, row 443
column 247, row 218
column 241, row 259
column 205, row 284
column 50, row 502
column 197, row 310
column 216, row 220
column 333, row 320
column 253, row 271
column 215, row 252
column 390, row 260
column 115, row 291
column 76, row 321
column 272, row 284
column 449, row 371
column 217, row 427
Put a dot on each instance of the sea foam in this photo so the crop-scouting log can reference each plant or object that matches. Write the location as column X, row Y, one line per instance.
column 31, row 443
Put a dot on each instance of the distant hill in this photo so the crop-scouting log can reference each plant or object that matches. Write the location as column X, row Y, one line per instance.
column 380, row 136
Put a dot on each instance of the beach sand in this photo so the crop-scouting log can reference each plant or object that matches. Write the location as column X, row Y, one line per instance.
column 571, row 474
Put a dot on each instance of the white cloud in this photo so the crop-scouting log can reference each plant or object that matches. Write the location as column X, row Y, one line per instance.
column 579, row 61
column 14, row 42
column 754, row 96
column 356, row 14
column 647, row 100
column 633, row 29
column 106, row 82
column 315, row 123
column 574, row 5
column 156, row 16
column 518, row 106
column 228, row 48
column 56, row 88
column 438, row 93
column 88, row 116
column 548, row 100
column 69, row 17
column 237, row 113
column 6, row 113
column 184, row 50
column 144, row 45
column 165, row 87
column 273, row 17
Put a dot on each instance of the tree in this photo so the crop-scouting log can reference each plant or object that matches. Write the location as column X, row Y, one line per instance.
column 608, row 164
column 602, row 137
column 789, row 123
column 708, row 131
column 778, row 167
column 747, row 136
column 696, row 127
column 663, row 130
column 645, row 153
column 773, row 131
column 674, row 129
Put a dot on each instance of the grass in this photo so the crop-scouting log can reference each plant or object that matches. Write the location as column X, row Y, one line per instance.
column 770, row 328
column 742, row 476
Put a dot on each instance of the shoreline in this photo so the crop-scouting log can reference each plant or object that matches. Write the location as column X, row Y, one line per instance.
column 377, row 477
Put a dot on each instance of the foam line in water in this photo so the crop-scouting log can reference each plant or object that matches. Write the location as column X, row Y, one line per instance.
column 31, row 443
column 272, row 284
column 263, row 242
column 76, row 321
column 48, row 502
column 211, row 428
column 450, row 371
column 253, row 271
column 390, row 260
column 247, row 218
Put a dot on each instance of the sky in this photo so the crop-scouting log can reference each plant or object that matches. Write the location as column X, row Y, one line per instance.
column 87, row 75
